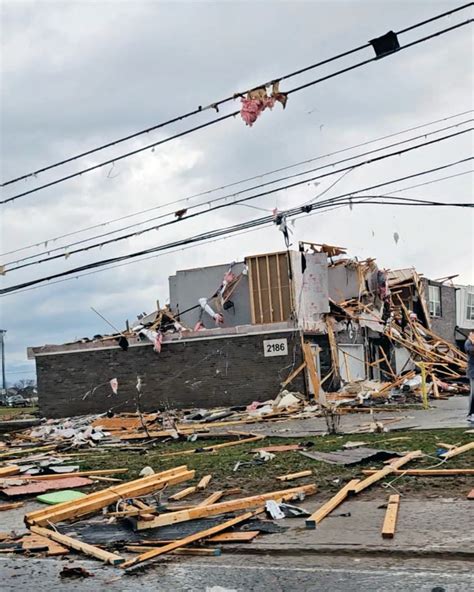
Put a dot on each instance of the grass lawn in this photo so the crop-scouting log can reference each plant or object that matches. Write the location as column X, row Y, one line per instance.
column 328, row 477
column 12, row 412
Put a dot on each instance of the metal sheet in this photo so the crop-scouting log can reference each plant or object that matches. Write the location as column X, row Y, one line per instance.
column 352, row 456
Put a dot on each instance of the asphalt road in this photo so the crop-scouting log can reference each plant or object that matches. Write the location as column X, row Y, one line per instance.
column 237, row 573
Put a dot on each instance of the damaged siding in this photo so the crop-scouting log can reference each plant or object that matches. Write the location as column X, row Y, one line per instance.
column 195, row 373
column 445, row 324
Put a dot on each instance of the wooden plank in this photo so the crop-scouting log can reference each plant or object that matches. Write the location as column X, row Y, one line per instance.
column 458, row 450
column 78, row 545
column 96, row 501
column 381, row 473
column 20, row 451
column 280, row 292
column 74, row 474
column 470, row 495
column 311, row 366
column 235, row 537
column 190, row 539
column 36, row 540
column 211, row 499
column 204, row 482
column 330, row 505
column 211, row 448
column 259, row 289
column 292, row 476
column 12, row 506
column 293, row 375
column 244, row 503
column 391, row 515
column 186, row 551
column 270, row 302
column 11, row 470
column 426, row 472
column 251, row 290
column 183, row 493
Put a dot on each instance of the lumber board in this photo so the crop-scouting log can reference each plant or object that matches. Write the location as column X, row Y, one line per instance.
column 391, row 515
column 426, row 472
column 73, row 474
column 96, row 501
column 235, row 537
column 183, row 493
column 182, row 551
column 21, row 451
column 12, row 506
column 330, row 505
column 244, row 503
column 292, row 476
column 211, row 499
column 311, row 367
column 71, row 543
column 381, row 473
column 293, row 375
column 212, row 448
column 11, row 470
column 204, row 482
column 36, row 540
column 187, row 540
column 458, row 450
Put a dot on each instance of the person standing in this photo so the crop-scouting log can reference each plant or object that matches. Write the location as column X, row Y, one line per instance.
column 469, row 349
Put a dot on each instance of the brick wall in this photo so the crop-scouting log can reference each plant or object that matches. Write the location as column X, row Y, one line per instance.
column 444, row 325
column 199, row 373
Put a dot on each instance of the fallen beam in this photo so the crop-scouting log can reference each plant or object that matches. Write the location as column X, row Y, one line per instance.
column 330, row 505
column 11, row 470
column 381, row 473
column 101, row 499
column 212, row 448
column 458, row 450
column 204, row 482
column 78, row 545
column 211, row 499
column 183, row 493
column 292, row 476
column 190, row 539
column 64, row 475
column 245, row 503
column 426, row 472
column 391, row 515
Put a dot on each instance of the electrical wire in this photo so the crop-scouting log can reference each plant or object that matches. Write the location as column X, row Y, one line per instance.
column 225, row 197
column 220, row 102
column 225, row 205
column 141, row 259
column 234, row 183
column 217, row 120
column 306, row 209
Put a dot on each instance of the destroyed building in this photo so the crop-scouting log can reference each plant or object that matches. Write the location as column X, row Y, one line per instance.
column 239, row 332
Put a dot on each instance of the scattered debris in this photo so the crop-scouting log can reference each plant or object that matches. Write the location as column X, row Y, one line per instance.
column 352, row 456
column 391, row 515
column 74, row 572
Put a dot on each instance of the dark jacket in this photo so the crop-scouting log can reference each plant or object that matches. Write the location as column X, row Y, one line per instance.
column 469, row 349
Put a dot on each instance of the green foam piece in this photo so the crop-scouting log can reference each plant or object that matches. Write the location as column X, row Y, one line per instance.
column 57, row 497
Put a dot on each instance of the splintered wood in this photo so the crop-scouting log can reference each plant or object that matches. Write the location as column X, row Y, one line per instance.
column 391, row 515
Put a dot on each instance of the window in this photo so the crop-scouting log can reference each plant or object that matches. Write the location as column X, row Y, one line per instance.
column 435, row 300
column 470, row 306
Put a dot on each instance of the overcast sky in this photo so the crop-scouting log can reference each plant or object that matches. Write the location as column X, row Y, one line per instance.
column 79, row 74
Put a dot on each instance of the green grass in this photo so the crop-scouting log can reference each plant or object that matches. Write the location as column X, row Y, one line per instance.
column 15, row 411
column 260, row 478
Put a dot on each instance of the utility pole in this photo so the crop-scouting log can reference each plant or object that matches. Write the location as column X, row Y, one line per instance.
column 2, row 341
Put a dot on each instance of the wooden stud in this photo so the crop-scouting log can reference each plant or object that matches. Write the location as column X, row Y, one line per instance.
column 330, row 505
column 12, row 470
column 270, row 303
column 292, row 476
column 190, row 539
column 391, row 515
column 76, row 474
column 186, row 551
column 211, row 499
column 235, row 537
column 259, row 289
column 280, row 294
column 12, row 506
column 293, row 375
column 251, row 290
column 244, row 503
column 183, row 493
column 311, row 366
column 458, row 450
column 426, row 472
column 204, row 482
column 78, row 545
column 212, row 448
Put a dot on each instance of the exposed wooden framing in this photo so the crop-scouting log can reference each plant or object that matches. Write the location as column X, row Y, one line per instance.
column 211, row 448
column 293, row 375
column 189, row 539
column 457, row 450
column 330, row 505
column 101, row 499
column 381, row 473
column 259, row 289
column 280, row 294
column 421, row 292
column 244, row 503
column 211, row 499
column 333, row 348
column 183, row 493
column 311, row 366
column 270, row 302
column 204, row 482
column 391, row 515
column 426, row 472
column 78, row 545
column 251, row 291
column 390, row 369
column 292, row 476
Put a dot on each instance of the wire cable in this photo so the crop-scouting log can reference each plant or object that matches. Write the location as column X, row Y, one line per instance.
column 213, row 234
column 235, row 194
column 225, row 205
column 220, row 102
column 233, row 114
column 234, row 183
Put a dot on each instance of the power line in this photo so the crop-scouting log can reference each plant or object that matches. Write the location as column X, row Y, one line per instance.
column 186, row 132
column 225, row 197
column 234, row 183
column 140, row 259
column 225, row 205
column 219, row 232
column 220, row 102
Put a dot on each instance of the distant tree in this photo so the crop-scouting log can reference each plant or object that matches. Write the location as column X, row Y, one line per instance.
column 24, row 383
